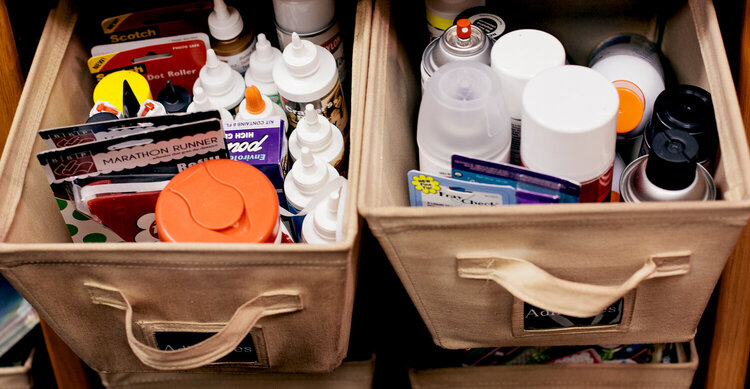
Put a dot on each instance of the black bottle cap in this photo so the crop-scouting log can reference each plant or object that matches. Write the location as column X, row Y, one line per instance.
column 672, row 161
column 688, row 108
column 174, row 98
column 130, row 104
column 101, row 117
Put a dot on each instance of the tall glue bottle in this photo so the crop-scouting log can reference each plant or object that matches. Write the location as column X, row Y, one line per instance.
column 257, row 106
column 224, row 87
column 260, row 72
column 320, row 136
column 231, row 41
column 305, row 75
column 320, row 225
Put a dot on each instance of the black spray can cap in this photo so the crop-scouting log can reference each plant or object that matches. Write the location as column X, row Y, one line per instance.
column 688, row 108
column 174, row 98
column 672, row 161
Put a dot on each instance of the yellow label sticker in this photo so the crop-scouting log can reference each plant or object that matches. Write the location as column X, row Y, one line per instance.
column 425, row 184
column 438, row 22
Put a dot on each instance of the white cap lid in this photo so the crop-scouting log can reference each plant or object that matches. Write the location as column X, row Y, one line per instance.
column 569, row 123
column 223, row 86
column 309, row 173
column 520, row 55
column 303, row 16
column 263, row 59
column 314, row 130
column 151, row 108
column 224, row 22
column 202, row 103
column 301, row 57
column 325, row 217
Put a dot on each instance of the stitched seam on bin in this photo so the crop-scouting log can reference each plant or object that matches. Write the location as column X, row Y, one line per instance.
column 172, row 267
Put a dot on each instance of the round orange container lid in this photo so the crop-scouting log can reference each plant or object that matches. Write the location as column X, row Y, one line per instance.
column 632, row 105
column 219, row 200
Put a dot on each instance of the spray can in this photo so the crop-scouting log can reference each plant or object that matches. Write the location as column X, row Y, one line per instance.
column 201, row 103
column 151, row 108
column 260, row 72
column 323, row 139
column 231, row 41
column 223, row 86
column 441, row 13
column 314, row 21
column 688, row 108
column 670, row 172
column 633, row 64
column 517, row 57
column 460, row 43
column 305, row 75
column 568, row 128
column 305, row 179
column 257, row 106
column 320, row 225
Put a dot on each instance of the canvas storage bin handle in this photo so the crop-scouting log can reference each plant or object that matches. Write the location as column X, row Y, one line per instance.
column 529, row 283
column 209, row 350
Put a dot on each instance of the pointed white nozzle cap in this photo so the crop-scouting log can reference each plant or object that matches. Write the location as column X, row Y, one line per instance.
column 314, row 130
column 310, row 174
column 262, row 61
column 215, row 76
column 200, row 100
column 224, row 23
column 326, row 217
column 301, row 57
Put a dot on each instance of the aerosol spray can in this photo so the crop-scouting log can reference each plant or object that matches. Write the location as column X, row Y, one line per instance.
column 460, row 43
column 688, row 108
column 670, row 172
column 440, row 13
column 314, row 21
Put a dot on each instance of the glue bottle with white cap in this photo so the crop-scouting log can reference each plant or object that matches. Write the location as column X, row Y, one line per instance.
column 257, row 106
column 232, row 42
column 323, row 139
column 224, row 87
column 201, row 103
column 305, row 75
column 306, row 178
column 320, row 225
column 260, row 72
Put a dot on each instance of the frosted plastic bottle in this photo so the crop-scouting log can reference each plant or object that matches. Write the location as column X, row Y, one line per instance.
column 316, row 133
column 201, row 103
column 260, row 72
column 223, row 86
column 257, row 106
column 441, row 13
column 232, row 42
column 306, row 178
column 320, row 225
column 307, row 75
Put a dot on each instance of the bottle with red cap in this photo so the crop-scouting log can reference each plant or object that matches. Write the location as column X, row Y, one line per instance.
column 461, row 42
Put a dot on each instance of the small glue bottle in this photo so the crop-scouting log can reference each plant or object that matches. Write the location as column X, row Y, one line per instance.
column 201, row 103
column 257, row 106
column 323, row 139
column 307, row 75
column 306, row 178
column 260, row 72
column 223, row 86
column 231, row 41
column 151, row 108
column 320, row 225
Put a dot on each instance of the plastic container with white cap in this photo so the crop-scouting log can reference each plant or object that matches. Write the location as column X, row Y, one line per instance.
column 314, row 21
column 440, row 13
column 517, row 57
column 257, row 106
column 223, row 86
column 202, row 103
column 462, row 112
column 305, row 75
column 323, row 139
column 307, row 177
column 260, row 72
column 232, row 41
column 569, row 128
column 320, row 225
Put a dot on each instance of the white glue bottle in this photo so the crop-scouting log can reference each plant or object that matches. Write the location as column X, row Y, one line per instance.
column 316, row 133
column 257, row 106
column 260, row 72
column 305, row 179
column 231, row 41
column 201, row 103
column 320, row 225
column 305, row 75
column 223, row 86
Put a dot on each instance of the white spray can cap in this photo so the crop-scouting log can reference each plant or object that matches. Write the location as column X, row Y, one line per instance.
column 303, row 16
column 223, row 86
column 224, row 22
column 301, row 57
column 262, row 61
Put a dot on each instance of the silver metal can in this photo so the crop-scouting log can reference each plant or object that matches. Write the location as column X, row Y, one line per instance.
column 460, row 42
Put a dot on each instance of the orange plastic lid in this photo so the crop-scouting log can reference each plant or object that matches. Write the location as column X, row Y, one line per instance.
column 254, row 101
column 219, row 200
column 463, row 28
column 632, row 104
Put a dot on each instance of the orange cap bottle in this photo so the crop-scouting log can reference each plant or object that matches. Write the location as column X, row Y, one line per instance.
column 219, row 200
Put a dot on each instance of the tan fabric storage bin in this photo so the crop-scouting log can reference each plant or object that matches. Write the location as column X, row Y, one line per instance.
column 350, row 375
column 17, row 377
column 630, row 376
column 109, row 302
column 663, row 259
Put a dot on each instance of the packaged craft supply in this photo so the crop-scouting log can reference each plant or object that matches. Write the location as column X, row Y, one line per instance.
column 157, row 22
column 323, row 139
column 201, row 103
column 256, row 106
column 460, row 43
column 431, row 190
column 260, row 71
column 224, row 87
column 233, row 41
column 129, row 45
column 463, row 95
column 115, row 88
column 440, row 13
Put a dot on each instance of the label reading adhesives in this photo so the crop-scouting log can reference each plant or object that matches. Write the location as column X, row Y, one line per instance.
column 244, row 352
column 540, row 319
